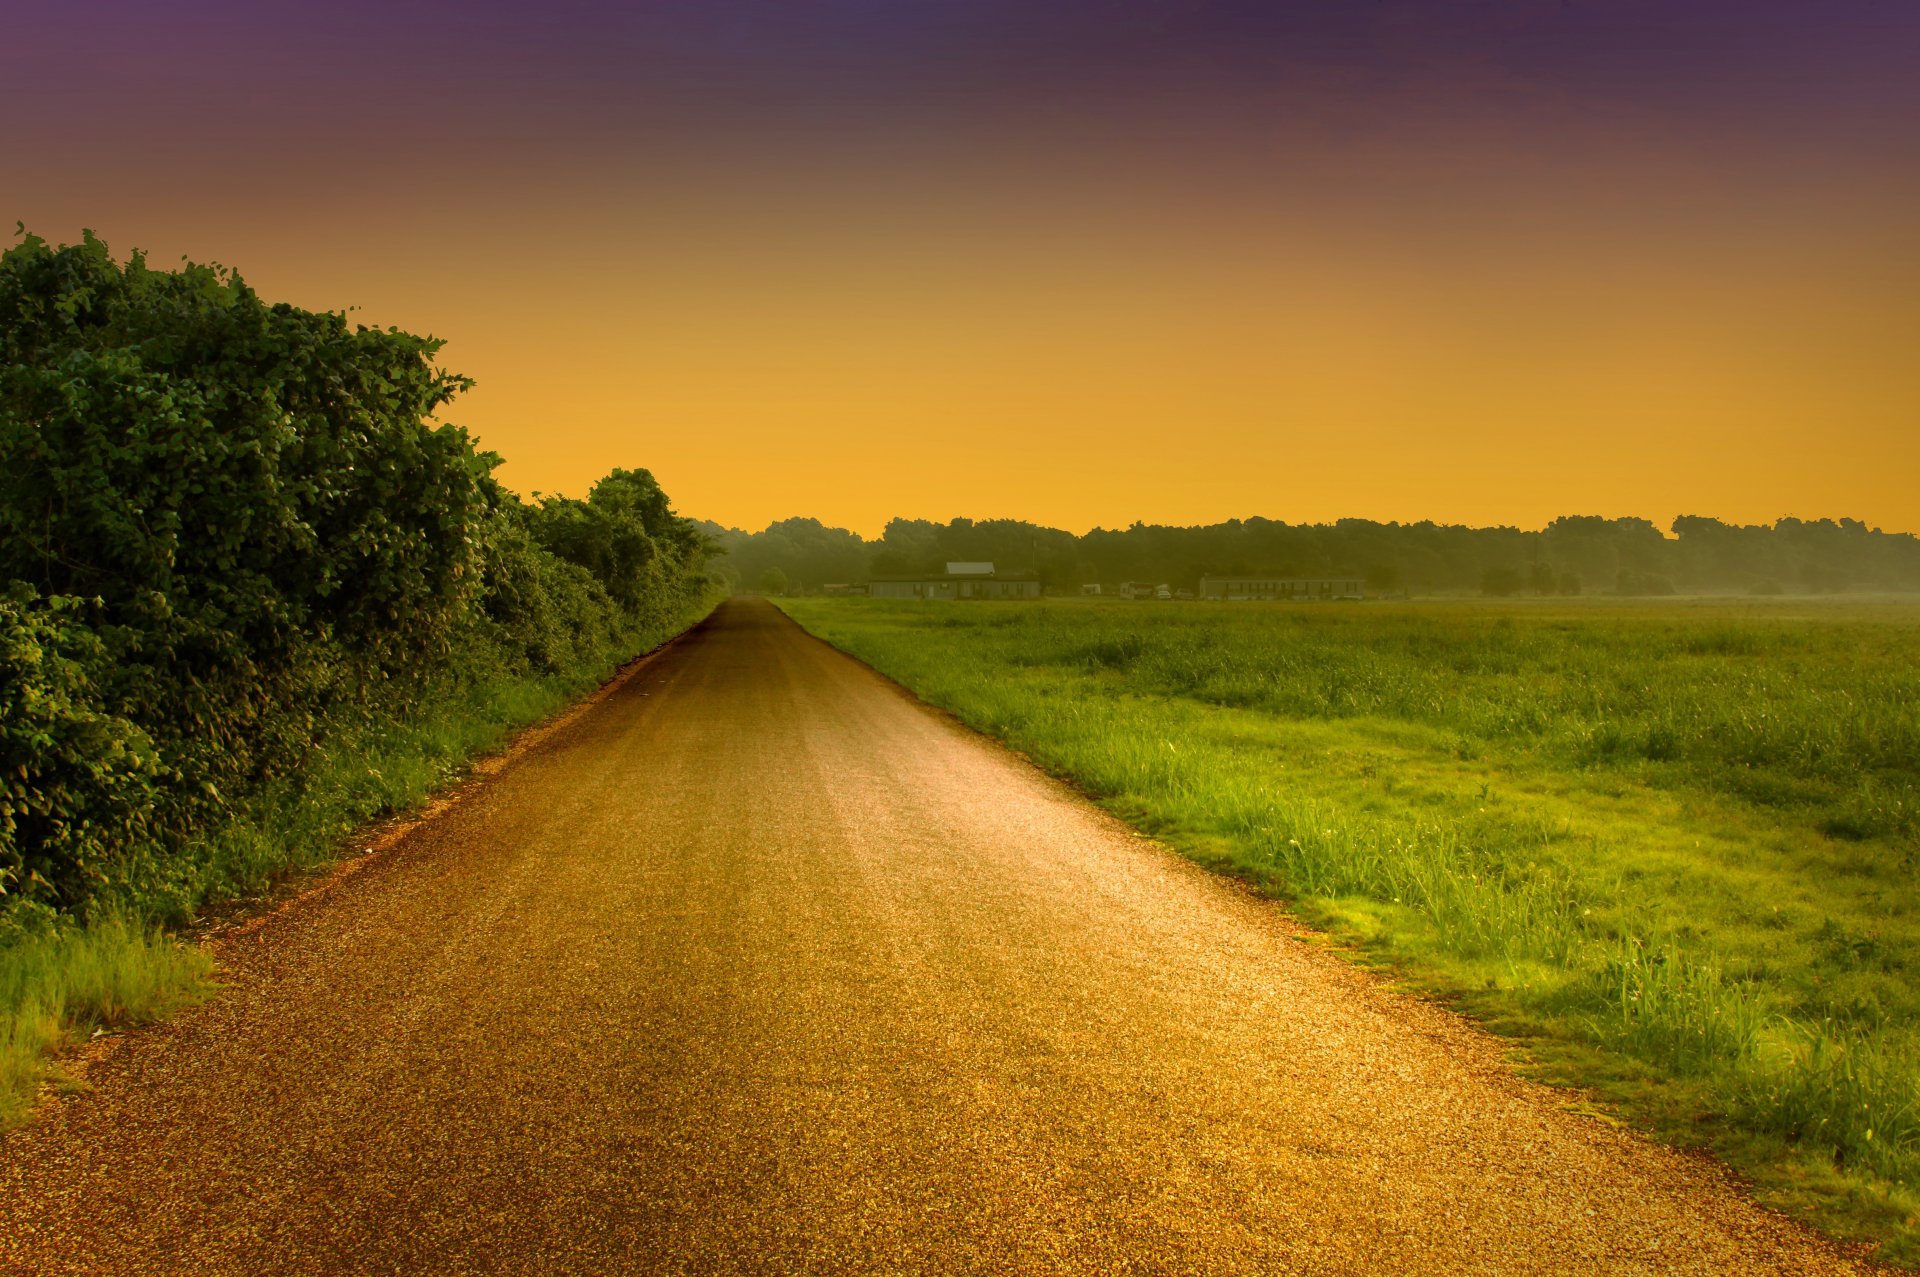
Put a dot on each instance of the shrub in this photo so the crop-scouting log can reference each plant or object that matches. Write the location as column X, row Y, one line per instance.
column 77, row 784
column 233, row 528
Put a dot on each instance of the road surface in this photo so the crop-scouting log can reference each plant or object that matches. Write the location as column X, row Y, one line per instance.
column 761, row 966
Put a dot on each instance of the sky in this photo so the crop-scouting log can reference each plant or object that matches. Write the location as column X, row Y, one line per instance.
column 1173, row 261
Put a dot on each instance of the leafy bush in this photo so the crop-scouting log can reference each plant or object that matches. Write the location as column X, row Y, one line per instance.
column 232, row 529
column 77, row 785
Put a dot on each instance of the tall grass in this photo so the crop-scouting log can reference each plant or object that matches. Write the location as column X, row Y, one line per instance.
column 1671, row 847
column 59, row 981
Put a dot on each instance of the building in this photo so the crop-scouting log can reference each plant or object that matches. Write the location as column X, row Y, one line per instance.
column 1090, row 589
column 1236, row 588
column 1144, row 590
column 960, row 581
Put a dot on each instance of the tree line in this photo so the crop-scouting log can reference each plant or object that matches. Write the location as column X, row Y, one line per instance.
column 1572, row 555
column 231, row 530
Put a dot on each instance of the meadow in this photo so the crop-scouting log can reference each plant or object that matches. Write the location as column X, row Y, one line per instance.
column 1670, row 849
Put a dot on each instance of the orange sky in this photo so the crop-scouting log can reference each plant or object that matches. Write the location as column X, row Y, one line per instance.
column 1469, row 296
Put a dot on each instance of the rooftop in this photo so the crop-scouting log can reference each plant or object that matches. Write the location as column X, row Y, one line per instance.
column 946, row 577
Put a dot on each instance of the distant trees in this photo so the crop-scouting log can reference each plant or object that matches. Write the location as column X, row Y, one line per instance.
column 1501, row 582
column 1578, row 552
column 806, row 552
column 1635, row 583
column 1382, row 575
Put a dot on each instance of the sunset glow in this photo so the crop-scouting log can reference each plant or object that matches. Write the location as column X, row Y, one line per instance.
column 1081, row 264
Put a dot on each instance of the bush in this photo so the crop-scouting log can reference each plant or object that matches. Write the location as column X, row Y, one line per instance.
column 234, row 529
column 77, row 784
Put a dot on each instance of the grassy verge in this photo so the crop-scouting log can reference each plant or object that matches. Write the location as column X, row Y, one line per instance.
column 57, row 983
column 1670, row 849
column 61, row 980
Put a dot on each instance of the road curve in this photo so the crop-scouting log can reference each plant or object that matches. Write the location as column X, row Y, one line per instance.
column 761, row 966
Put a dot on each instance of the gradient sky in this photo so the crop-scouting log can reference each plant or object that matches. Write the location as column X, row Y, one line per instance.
column 1084, row 263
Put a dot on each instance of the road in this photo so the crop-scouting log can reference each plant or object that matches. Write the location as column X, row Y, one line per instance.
column 761, row 966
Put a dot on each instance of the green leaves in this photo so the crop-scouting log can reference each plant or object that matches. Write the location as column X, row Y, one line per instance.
column 77, row 784
column 232, row 524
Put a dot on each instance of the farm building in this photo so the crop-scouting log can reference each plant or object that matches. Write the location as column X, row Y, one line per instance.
column 960, row 581
column 1281, row 587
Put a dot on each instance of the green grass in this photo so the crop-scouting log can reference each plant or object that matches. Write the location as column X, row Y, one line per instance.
column 1669, row 848
column 61, row 980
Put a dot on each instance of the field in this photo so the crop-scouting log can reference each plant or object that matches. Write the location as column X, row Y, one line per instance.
column 1670, row 849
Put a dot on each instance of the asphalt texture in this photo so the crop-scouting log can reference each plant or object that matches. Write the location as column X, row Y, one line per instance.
column 758, row 965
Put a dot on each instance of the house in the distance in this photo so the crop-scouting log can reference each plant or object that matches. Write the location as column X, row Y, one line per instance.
column 959, row 581
column 1281, row 587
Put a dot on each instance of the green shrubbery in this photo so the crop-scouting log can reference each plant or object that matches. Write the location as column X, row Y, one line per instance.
column 78, row 785
column 230, row 535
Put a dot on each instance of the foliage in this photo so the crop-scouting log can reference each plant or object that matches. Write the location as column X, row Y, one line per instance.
column 1501, row 582
column 1629, row 555
column 804, row 552
column 1672, row 847
column 234, row 532
column 77, row 784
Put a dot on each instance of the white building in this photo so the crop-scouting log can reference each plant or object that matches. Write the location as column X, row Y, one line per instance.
column 960, row 581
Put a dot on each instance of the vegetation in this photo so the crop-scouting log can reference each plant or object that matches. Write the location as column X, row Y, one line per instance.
column 1580, row 555
column 250, row 595
column 1670, row 847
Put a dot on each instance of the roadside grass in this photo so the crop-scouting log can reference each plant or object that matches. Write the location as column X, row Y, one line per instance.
column 1669, row 849
column 57, row 983
column 60, row 980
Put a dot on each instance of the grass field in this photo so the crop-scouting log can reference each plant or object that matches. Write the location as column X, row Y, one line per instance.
column 1669, row 848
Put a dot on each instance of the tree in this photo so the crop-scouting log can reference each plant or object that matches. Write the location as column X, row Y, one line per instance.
column 773, row 581
column 1382, row 575
column 1634, row 583
column 1501, row 582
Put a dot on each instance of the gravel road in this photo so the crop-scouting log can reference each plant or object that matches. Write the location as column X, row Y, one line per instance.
column 759, row 965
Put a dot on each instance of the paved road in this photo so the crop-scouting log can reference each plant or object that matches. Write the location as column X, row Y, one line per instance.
column 760, row 966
